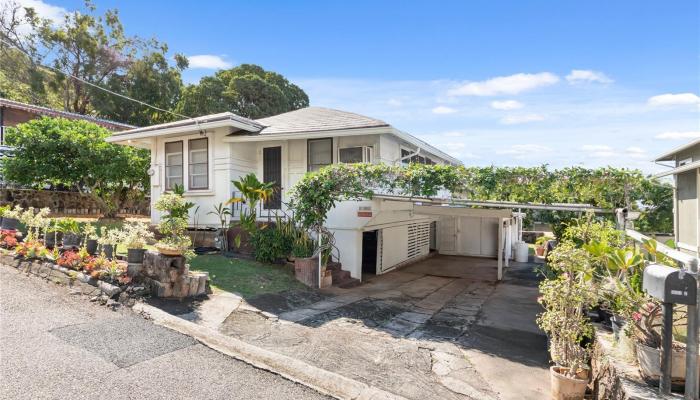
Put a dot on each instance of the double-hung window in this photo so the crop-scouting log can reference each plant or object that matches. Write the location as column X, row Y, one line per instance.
column 174, row 161
column 320, row 153
column 198, row 160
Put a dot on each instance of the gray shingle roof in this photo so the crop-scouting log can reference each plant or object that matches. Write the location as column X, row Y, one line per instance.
column 314, row 119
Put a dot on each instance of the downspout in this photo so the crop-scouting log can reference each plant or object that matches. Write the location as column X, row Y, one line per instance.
column 400, row 159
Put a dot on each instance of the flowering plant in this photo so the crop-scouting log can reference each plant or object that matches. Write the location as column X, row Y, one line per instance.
column 15, row 213
column 31, row 249
column 8, row 238
column 174, row 221
column 109, row 236
column 70, row 259
column 135, row 235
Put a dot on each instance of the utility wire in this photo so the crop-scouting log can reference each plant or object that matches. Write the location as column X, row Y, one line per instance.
column 97, row 86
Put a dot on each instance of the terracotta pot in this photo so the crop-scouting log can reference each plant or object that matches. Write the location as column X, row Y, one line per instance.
column 539, row 250
column 566, row 388
column 649, row 360
column 306, row 271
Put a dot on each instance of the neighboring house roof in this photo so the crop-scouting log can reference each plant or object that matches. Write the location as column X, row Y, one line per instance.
column 50, row 112
column 314, row 119
column 669, row 156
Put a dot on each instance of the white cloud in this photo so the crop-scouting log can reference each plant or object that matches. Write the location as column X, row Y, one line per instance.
column 44, row 10
column 521, row 119
column 506, row 105
column 671, row 99
column 596, row 147
column 505, row 85
column 587, row 76
column 444, row 110
column 208, row 61
column 525, row 149
column 678, row 135
column 599, row 151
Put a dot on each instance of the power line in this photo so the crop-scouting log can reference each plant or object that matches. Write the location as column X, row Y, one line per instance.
column 96, row 86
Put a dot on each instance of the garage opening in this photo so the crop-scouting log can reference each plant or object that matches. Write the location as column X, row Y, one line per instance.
column 369, row 253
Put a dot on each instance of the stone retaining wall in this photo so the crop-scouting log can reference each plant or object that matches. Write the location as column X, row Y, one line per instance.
column 67, row 203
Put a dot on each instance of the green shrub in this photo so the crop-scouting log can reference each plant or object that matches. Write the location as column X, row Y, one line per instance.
column 270, row 244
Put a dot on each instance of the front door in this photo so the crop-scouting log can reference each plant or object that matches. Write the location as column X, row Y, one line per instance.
column 272, row 172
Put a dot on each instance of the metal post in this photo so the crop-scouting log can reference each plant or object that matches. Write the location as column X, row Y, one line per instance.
column 691, row 359
column 666, row 348
column 320, row 256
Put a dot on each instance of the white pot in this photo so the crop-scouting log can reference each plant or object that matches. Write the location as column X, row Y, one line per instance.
column 566, row 388
column 649, row 360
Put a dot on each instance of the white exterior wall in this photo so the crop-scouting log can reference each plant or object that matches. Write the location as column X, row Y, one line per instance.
column 226, row 162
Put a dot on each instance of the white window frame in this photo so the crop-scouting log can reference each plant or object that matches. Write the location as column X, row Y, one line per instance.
column 367, row 153
column 167, row 185
column 186, row 162
column 308, row 152
column 190, row 175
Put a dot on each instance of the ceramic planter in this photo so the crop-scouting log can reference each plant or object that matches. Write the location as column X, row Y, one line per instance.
column 9, row 224
column 71, row 239
column 91, row 246
column 108, row 249
column 135, row 256
column 567, row 388
column 649, row 360
column 51, row 238
column 166, row 251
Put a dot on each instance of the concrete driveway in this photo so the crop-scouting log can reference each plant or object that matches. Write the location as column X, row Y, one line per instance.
column 441, row 328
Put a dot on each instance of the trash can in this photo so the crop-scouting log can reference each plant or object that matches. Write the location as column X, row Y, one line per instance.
column 521, row 252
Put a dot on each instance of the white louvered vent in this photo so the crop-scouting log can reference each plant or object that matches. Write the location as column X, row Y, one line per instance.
column 418, row 239
column 380, row 250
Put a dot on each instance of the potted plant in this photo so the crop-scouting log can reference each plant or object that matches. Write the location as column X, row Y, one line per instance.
column 305, row 265
column 108, row 241
column 134, row 237
column 174, row 222
column 90, row 238
column 52, row 235
column 540, row 244
column 565, row 298
column 223, row 213
column 35, row 221
column 71, row 232
column 10, row 218
column 3, row 209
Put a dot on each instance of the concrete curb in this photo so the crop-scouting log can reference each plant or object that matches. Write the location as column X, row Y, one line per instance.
column 321, row 380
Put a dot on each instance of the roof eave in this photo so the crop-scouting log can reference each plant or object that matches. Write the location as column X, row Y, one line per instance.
column 375, row 130
column 425, row 146
column 670, row 155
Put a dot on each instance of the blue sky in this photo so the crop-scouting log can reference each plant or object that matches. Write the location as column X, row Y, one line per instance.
column 492, row 82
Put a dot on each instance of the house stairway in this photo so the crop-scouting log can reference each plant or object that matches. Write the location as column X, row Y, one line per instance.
column 341, row 278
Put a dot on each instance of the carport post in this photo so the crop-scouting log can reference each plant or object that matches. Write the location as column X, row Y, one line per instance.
column 500, row 250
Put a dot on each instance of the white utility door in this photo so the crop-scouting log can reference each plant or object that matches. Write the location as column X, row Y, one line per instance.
column 468, row 236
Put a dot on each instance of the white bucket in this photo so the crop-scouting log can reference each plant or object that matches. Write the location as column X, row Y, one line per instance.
column 521, row 252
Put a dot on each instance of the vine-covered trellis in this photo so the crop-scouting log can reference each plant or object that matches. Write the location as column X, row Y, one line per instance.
column 318, row 192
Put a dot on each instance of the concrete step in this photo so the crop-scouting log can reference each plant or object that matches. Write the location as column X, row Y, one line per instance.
column 348, row 283
column 334, row 266
column 339, row 276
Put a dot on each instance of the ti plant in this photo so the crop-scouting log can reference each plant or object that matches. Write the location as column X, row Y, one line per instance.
column 252, row 193
column 223, row 213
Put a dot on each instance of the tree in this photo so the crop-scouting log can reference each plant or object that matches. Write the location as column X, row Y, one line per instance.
column 74, row 154
column 149, row 79
column 246, row 90
column 86, row 47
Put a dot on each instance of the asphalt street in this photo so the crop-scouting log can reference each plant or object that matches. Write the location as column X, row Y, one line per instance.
column 57, row 345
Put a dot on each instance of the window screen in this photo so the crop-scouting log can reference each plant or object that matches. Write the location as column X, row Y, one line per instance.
column 320, row 153
column 173, row 164
column 198, row 163
column 350, row 155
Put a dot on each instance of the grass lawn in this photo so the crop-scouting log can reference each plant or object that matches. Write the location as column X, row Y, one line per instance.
column 244, row 277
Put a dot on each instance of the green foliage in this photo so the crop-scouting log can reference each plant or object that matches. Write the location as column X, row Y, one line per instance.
column 174, row 221
column 74, row 154
column 565, row 299
column 246, row 90
column 252, row 193
column 67, row 225
column 270, row 244
column 589, row 229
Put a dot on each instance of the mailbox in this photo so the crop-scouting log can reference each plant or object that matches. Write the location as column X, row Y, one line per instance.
column 670, row 285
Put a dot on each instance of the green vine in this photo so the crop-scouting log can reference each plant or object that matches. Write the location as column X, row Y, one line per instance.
column 318, row 192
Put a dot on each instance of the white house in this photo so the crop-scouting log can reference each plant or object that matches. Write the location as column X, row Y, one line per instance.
column 205, row 154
